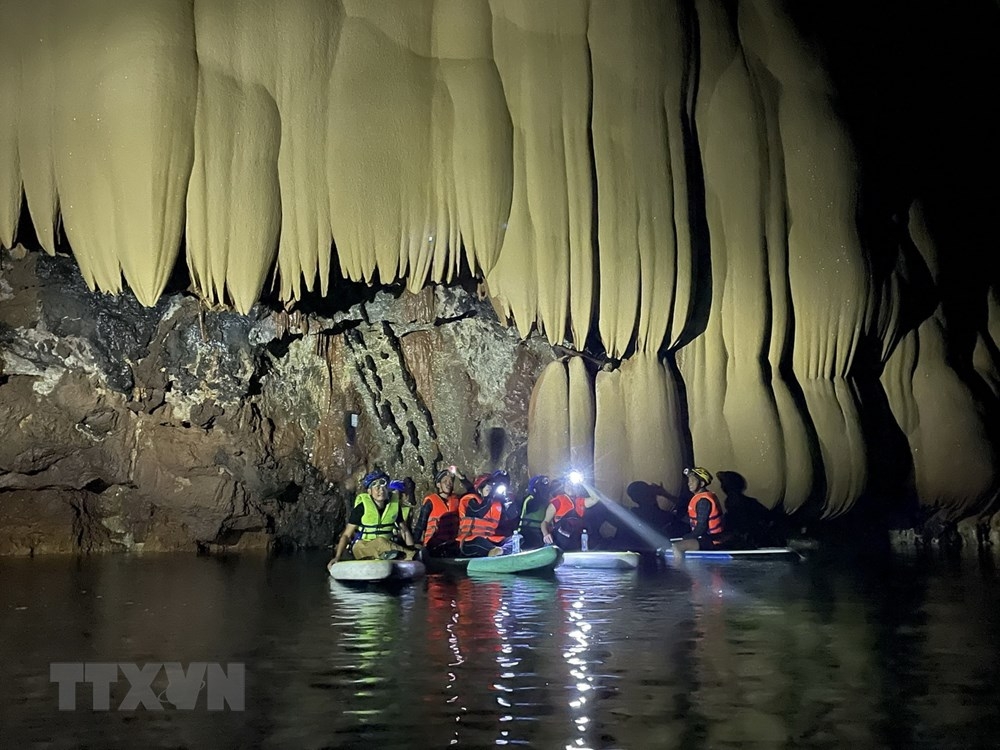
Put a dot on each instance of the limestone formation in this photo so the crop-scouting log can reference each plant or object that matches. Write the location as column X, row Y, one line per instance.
column 749, row 226
column 178, row 427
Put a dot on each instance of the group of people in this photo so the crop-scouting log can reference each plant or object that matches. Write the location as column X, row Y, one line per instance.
column 484, row 518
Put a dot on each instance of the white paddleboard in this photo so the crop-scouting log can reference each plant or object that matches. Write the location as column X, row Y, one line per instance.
column 601, row 559
column 376, row 570
column 763, row 553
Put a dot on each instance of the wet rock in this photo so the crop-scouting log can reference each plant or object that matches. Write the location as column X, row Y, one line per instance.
column 180, row 427
column 116, row 329
column 39, row 522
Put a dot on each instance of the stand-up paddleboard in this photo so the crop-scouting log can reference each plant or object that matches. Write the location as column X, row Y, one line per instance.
column 532, row 561
column 763, row 553
column 601, row 559
column 376, row 570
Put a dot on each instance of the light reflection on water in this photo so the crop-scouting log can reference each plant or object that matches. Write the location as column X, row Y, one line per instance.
column 707, row 655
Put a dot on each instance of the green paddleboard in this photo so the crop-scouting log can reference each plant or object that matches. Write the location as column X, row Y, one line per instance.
column 532, row 561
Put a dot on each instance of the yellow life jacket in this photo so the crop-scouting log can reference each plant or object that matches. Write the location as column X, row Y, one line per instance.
column 375, row 524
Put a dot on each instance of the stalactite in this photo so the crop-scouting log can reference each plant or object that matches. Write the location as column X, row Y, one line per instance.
column 580, row 407
column 548, row 422
column 10, row 115
column 639, row 133
column 627, row 423
column 35, row 138
column 673, row 182
column 124, row 137
column 544, row 272
column 233, row 211
column 954, row 455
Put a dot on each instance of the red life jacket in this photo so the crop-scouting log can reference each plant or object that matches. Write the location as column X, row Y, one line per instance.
column 442, row 522
column 714, row 515
column 470, row 527
column 565, row 506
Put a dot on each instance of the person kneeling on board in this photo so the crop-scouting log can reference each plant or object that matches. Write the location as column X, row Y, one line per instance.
column 565, row 524
column 704, row 514
column 379, row 522
column 479, row 515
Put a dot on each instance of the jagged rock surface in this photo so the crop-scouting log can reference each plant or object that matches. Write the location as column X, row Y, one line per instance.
column 179, row 427
column 761, row 210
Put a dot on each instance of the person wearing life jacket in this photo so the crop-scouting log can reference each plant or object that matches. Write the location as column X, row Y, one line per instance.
column 379, row 523
column 436, row 523
column 533, row 507
column 563, row 524
column 404, row 490
column 704, row 514
column 479, row 514
column 510, row 514
column 656, row 509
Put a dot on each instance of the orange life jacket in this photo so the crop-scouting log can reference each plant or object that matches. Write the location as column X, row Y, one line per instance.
column 470, row 527
column 714, row 515
column 565, row 506
column 442, row 522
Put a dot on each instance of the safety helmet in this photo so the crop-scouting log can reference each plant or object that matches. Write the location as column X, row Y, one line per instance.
column 397, row 485
column 373, row 476
column 501, row 481
column 536, row 483
column 703, row 474
column 441, row 475
column 481, row 480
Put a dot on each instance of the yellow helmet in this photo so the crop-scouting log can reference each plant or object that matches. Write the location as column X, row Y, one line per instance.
column 703, row 474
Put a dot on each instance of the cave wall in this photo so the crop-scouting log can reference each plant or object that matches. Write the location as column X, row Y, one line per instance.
column 182, row 427
column 753, row 218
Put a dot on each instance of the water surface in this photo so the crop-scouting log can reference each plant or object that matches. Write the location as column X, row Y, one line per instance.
column 900, row 653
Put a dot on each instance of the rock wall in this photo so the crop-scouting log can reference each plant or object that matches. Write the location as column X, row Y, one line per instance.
column 755, row 219
column 181, row 427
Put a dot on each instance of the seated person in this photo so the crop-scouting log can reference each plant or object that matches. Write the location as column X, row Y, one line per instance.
column 650, row 516
column 404, row 489
column 533, row 507
column 510, row 514
column 436, row 524
column 704, row 515
column 379, row 523
column 749, row 524
column 565, row 515
column 479, row 518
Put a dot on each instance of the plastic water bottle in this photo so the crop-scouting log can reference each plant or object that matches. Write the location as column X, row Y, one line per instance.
column 516, row 546
column 583, row 541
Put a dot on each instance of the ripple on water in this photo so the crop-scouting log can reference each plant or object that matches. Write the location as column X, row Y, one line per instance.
column 705, row 656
